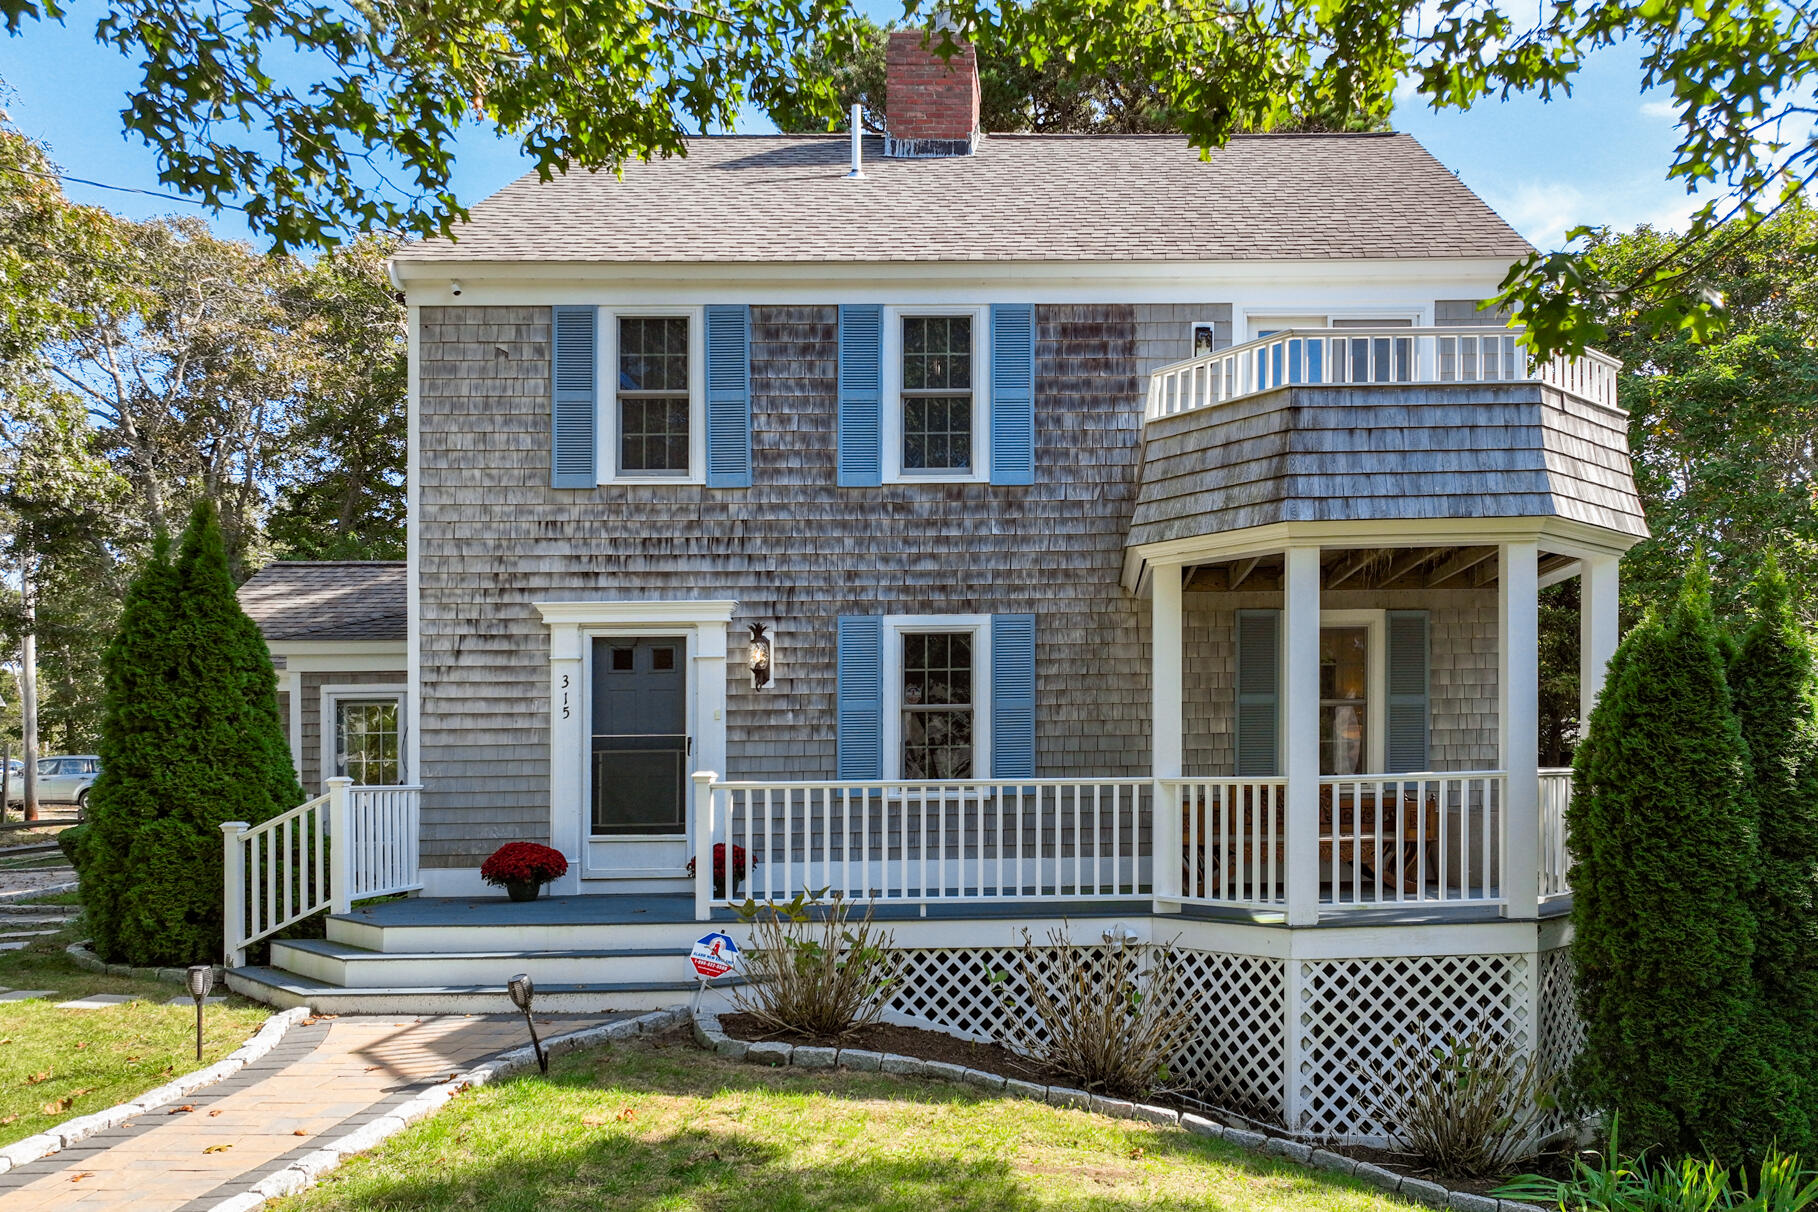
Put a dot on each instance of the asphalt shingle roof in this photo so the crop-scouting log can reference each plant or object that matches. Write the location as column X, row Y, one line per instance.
column 328, row 600
column 783, row 198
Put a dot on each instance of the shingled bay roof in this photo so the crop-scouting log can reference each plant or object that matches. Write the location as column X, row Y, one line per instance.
column 328, row 600
column 783, row 198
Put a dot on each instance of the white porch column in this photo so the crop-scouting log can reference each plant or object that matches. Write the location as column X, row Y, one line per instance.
column 568, row 749
column 1166, row 647
column 1300, row 728
column 1599, row 629
column 1518, row 719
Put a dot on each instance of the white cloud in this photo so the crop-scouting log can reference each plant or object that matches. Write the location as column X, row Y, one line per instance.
column 1544, row 211
column 1659, row 109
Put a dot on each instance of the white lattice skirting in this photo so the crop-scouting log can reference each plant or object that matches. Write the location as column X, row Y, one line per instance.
column 1290, row 1042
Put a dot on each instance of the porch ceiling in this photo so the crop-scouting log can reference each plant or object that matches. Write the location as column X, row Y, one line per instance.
column 1368, row 568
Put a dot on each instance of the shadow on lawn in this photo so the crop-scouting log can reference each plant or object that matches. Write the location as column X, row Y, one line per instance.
column 610, row 1163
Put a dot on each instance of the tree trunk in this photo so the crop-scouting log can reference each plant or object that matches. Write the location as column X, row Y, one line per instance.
column 28, row 692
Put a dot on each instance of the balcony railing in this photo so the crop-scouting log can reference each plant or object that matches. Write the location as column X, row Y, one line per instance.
column 1555, row 859
column 1350, row 356
column 1384, row 840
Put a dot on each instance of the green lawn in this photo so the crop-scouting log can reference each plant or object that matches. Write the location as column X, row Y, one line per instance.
column 663, row 1125
column 58, row 1064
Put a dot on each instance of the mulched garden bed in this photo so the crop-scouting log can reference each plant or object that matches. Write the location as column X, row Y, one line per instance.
column 995, row 1058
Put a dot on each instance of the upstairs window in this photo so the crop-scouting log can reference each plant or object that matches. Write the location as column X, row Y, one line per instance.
column 937, row 398
column 654, row 396
column 937, row 707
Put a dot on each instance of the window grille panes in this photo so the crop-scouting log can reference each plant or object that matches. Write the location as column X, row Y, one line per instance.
column 937, row 393
column 366, row 742
column 937, row 705
column 1343, row 678
column 653, row 394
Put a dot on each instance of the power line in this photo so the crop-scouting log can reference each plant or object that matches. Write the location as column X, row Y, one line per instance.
column 128, row 189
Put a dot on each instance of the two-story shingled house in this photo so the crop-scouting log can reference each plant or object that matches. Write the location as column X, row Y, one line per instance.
column 1009, row 531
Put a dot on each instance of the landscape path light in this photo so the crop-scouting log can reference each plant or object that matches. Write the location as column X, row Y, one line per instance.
column 522, row 990
column 201, row 979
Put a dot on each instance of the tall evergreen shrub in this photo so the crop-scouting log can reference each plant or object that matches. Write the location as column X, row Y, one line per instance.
column 1663, row 832
column 1771, row 683
column 191, row 738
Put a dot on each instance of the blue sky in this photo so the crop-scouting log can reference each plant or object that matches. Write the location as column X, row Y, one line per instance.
column 1598, row 157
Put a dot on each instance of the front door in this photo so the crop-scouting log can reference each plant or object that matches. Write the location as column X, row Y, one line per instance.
column 639, row 755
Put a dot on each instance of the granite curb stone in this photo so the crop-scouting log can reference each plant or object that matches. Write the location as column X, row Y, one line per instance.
column 83, row 957
column 1419, row 1190
column 73, row 1131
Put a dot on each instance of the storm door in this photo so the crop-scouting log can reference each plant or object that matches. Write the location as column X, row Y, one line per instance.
column 640, row 736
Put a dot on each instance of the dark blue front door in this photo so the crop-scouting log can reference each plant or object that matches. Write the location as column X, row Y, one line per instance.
column 640, row 735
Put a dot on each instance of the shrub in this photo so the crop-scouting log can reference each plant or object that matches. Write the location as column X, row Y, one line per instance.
column 809, row 971
column 190, row 738
column 1109, row 1017
column 1607, row 1183
column 69, row 841
column 1771, row 680
column 1663, row 835
column 523, row 863
column 1469, row 1105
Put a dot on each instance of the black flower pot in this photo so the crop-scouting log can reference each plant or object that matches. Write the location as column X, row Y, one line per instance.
column 523, row 890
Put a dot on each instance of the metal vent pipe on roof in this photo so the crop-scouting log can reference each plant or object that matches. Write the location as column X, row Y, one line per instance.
column 858, row 144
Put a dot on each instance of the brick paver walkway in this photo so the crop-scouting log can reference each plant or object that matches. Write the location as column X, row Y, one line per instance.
column 323, row 1080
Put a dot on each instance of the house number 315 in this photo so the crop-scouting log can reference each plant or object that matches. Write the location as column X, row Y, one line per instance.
column 564, row 696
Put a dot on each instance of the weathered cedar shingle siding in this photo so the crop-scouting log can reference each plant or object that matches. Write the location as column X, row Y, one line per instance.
column 795, row 550
column 1385, row 452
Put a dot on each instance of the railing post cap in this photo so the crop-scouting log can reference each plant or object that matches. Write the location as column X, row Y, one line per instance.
column 234, row 826
column 340, row 780
column 706, row 776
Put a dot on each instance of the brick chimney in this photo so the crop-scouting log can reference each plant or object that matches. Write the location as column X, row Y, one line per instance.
column 930, row 103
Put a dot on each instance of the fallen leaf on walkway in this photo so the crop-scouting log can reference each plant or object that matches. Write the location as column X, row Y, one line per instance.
column 214, row 1113
column 217, row 1149
column 76, row 1178
column 35, row 1078
column 370, row 1068
column 182, row 1109
column 299, row 1132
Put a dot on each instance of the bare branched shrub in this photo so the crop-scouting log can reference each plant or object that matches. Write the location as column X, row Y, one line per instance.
column 810, row 970
column 1470, row 1105
column 1107, row 1016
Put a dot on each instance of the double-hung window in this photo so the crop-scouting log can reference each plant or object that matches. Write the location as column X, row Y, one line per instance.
column 654, row 396
column 937, row 396
column 938, row 724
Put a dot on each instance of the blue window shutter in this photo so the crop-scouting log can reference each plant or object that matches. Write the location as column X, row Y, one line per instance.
column 1259, row 692
column 574, row 351
column 861, row 391
column 1012, row 696
column 1013, row 393
column 859, row 691
column 728, row 339
column 1405, row 750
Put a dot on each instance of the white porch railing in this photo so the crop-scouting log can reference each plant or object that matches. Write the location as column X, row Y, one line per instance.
column 976, row 840
column 347, row 844
column 1398, row 839
column 1361, row 356
column 1555, row 858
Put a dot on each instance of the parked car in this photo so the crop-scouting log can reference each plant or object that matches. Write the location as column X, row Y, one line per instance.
column 61, row 780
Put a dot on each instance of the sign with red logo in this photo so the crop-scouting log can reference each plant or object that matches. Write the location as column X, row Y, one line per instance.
column 714, row 955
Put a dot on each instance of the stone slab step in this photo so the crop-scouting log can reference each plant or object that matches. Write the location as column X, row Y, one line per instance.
column 353, row 967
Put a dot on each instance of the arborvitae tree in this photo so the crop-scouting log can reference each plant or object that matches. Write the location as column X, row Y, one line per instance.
column 191, row 739
column 1771, row 681
column 1663, row 831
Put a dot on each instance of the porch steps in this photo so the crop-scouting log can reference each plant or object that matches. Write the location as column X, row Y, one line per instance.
column 277, row 987
column 352, row 967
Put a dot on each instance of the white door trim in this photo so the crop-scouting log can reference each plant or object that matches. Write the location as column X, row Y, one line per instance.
column 572, row 626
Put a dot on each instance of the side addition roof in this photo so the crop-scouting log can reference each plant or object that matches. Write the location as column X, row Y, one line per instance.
column 785, row 198
column 328, row 600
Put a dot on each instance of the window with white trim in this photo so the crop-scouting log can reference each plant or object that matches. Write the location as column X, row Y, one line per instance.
column 368, row 740
column 937, row 696
column 935, row 424
column 1352, row 691
column 654, row 402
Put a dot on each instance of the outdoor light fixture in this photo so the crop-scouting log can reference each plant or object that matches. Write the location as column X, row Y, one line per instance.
column 201, row 979
column 760, row 657
column 522, row 989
